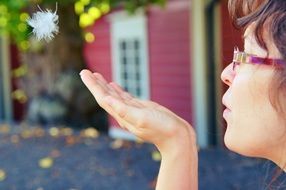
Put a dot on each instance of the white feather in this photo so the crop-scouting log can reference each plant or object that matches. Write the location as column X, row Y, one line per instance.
column 45, row 24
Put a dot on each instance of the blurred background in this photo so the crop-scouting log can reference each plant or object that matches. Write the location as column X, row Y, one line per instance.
column 53, row 133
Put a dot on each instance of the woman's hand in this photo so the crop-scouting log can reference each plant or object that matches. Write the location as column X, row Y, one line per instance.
column 146, row 119
column 173, row 136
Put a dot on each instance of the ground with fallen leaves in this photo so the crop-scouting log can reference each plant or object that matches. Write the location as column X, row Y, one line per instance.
column 60, row 158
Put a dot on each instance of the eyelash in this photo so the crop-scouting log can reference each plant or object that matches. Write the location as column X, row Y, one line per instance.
column 234, row 65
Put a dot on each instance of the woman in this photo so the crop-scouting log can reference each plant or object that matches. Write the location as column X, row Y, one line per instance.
column 255, row 110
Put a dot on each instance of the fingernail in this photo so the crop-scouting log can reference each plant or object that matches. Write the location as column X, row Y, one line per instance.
column 81, row 72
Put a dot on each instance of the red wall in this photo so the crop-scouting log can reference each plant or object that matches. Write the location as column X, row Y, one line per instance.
column 169, row 52
column 98, row 53
column 169, row 63
column 230, row 36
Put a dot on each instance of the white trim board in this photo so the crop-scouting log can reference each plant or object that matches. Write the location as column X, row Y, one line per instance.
column 199, row 70
column 6, row 79
column 118, row 133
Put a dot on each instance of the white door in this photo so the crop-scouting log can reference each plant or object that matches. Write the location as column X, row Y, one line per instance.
column 130, row 53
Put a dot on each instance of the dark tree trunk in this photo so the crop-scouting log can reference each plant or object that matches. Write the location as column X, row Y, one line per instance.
column 55, row 91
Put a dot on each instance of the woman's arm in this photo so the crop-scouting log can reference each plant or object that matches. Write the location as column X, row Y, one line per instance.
column 179, row 166
column 173, row 136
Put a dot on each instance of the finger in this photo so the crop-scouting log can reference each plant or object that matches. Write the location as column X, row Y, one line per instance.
column 103, row 81
column 131, row 128
column 148, row 103
column 125, row 95
column 154, row 105
column 131, row 114
column 109, row 89
column 114, row 92
column 120, row 91
column 100, row 77
column 125, row 124
column 98, row 89
column 94, row 87
column 120, row 121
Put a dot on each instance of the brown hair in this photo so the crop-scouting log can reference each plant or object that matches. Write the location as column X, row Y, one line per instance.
column 244, row 12
column 269, row 16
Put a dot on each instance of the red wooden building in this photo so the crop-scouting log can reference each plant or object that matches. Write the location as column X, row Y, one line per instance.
column 173, row 56
column 148, row 54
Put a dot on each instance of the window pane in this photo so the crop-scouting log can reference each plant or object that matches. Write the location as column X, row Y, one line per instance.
column 130, row 66
column 123, row 45
column 136, row 44
column 125, row 76
column 138, row 76
column 138, row 91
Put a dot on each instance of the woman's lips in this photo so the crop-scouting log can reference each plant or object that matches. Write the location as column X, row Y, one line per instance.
column 226, row 113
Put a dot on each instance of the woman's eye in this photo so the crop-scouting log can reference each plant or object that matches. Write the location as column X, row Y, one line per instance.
column 235, row 65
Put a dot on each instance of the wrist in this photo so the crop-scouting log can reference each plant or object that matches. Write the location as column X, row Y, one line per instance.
column 182, row 141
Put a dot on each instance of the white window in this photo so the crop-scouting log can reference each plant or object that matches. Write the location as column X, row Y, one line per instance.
column 129, row 53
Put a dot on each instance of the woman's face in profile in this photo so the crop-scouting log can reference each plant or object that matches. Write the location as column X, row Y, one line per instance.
column 253, row 125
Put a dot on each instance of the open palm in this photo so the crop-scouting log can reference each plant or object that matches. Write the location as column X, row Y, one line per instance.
column 146, row 119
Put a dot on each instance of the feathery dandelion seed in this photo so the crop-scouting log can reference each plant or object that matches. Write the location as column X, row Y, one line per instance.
column 45, row 24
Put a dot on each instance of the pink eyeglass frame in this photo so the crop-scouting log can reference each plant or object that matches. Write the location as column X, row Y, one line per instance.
column 242, row 57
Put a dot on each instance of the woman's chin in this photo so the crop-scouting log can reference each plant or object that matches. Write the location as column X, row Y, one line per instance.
column 233, row 144
column 240, row 147
column 227, row 142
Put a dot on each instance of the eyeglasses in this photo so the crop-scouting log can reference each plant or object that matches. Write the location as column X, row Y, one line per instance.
column 240, row 57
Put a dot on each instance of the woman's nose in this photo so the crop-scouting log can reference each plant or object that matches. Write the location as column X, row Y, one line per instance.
column 227, row 75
